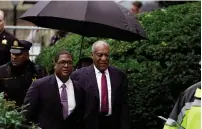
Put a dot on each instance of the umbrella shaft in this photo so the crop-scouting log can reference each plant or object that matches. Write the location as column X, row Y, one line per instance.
column 81, row 47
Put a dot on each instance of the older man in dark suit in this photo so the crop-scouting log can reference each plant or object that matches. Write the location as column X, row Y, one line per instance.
column 56, row 101
column 106, row 101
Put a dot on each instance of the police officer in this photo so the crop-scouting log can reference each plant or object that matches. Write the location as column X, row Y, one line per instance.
column 84, row 62
column 17, row 75
column 6, row 40
column 186, row 113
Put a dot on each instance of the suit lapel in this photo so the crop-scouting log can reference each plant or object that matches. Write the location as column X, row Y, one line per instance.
column 93, row 80
column 113, row 83
column 76, row 94
column 56, row 94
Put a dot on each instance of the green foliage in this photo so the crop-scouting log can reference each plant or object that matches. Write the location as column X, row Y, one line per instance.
column 72, row 43
column 158, row 69
column 170, row 3
column 11, row 117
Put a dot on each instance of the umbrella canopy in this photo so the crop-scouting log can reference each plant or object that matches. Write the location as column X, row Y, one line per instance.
column 106, row 19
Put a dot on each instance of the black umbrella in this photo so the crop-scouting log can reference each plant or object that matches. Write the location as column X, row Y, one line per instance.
column 106, row 19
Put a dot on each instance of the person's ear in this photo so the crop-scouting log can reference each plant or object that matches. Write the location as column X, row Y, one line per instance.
column 54, row 63
column 92, row 55
column 4, row 22
column 26, row 55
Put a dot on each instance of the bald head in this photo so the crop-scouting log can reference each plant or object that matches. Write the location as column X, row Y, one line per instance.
column 2, row 20
column 100, row 55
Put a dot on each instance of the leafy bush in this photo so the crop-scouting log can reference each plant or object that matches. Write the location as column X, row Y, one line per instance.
column 171, row 3
column 11, row 117
column 159, row 69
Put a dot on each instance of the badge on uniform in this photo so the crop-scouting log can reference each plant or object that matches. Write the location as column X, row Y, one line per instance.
column 4, row 41
column 34, row 78
column 15, row 43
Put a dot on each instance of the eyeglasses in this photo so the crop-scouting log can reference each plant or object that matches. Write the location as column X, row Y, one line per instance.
column 63, row 63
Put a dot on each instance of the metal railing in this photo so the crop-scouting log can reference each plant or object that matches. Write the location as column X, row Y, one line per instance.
column 25, row 27
column 25, row 32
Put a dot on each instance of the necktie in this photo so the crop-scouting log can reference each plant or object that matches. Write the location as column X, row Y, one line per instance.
column 64, row 101
column 104, row 95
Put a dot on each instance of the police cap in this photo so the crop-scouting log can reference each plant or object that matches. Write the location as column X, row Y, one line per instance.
column 19, row 46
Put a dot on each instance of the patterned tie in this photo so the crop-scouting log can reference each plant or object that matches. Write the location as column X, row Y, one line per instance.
column 64, row 101
column 104, row 95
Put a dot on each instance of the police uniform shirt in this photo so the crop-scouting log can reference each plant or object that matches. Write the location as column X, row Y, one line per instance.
column 6, row 41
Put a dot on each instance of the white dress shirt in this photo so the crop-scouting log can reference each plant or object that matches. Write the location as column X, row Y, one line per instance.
column 98, row 77
column 70, row 93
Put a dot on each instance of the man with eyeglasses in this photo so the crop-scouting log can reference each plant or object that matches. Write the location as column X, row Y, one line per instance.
column 106, row 86
column 56, row 101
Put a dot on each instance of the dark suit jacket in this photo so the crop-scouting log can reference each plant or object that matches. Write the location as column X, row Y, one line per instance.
column 120, row 117
column 45, row 106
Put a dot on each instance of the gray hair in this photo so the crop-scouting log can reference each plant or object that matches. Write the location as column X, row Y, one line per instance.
column 100, row 42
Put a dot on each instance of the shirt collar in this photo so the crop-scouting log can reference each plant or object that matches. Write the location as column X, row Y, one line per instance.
column 60, row 83
column 98, row 72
